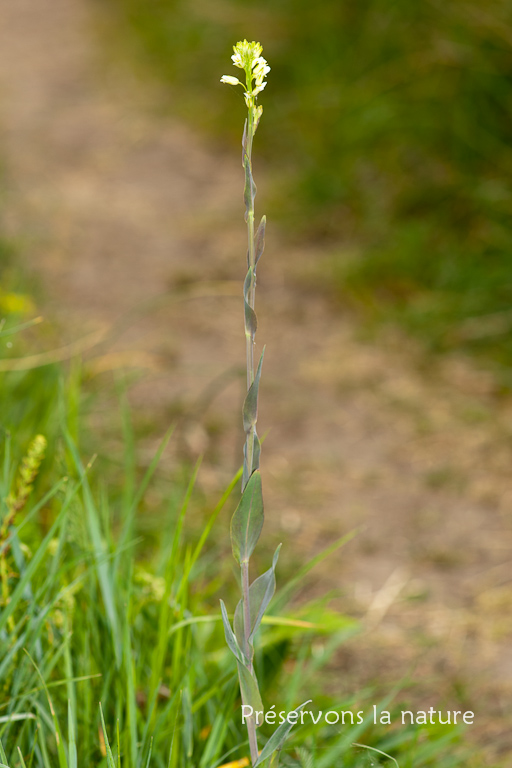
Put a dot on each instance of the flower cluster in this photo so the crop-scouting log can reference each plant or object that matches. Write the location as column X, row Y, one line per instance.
column 247, row 56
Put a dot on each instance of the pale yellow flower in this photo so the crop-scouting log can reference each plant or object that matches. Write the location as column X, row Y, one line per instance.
column 258, row 89
column 230, row 80
column 247, row 56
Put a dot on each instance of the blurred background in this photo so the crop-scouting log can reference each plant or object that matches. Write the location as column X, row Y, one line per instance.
column 387, row 133
column 383, row 163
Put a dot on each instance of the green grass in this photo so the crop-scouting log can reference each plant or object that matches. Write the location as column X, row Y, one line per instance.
column 111, row 642
column 90, row 622
column 112, row 650
column 387, row 133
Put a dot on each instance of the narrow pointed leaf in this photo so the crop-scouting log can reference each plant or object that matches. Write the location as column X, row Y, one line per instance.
column 238, row 623
column 256, row 453
column 148, row 761
column 110, row 757
column 248, row 200
column 244, row 144
column 61, row 750
column 231, row 640
column 250, row 187
column 247, row 471
column 259, row 239
column 247, row 283
column 247, row 521
column 187, row 729
column 98, row 546
column 250, row 409
column 277, row 739
column 251, row 321
column 249, row 689
column 3, row 756
column 72, row 753
column 261, row 592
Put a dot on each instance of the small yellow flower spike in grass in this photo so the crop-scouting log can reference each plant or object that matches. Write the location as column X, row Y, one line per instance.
column 247, row 56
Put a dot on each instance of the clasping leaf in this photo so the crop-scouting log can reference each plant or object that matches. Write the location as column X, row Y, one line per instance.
column 247, row 520
column 261, row 593
column 250, row 409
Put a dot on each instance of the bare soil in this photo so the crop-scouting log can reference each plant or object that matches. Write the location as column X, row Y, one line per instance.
column 134, row 224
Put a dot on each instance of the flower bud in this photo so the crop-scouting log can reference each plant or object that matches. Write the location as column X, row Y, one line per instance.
column 230, row 80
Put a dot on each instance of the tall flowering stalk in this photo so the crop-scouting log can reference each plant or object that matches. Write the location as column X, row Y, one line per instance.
column 247, row 520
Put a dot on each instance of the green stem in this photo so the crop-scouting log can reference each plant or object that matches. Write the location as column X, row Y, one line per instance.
column 251, row 725
column 252, row 288
column 247, row 613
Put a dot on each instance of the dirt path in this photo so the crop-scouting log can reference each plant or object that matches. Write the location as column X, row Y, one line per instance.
column 133, row 220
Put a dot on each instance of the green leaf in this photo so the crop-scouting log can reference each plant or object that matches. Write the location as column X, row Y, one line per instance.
column 130, row 692
column 61, row 750
column 187, row 728
column 247, row 520
column 278, row 738
column 33, row 565
column 244, row 144
column 3, row 756
column 72, row 754
column 238, row 622
column 256, row 453
column 250, row 186
column 251, row 321
column 250, row 409
column 247, row 283
column 249, row 688
column 259, row 239
column 231, row 640
column 261, row 592
column 110, row 757
column 98, row 547
column 149, row 753
column 378, row 751
column 247, row 472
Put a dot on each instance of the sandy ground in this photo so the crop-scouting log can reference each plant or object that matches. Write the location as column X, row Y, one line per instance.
column 135, row 227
